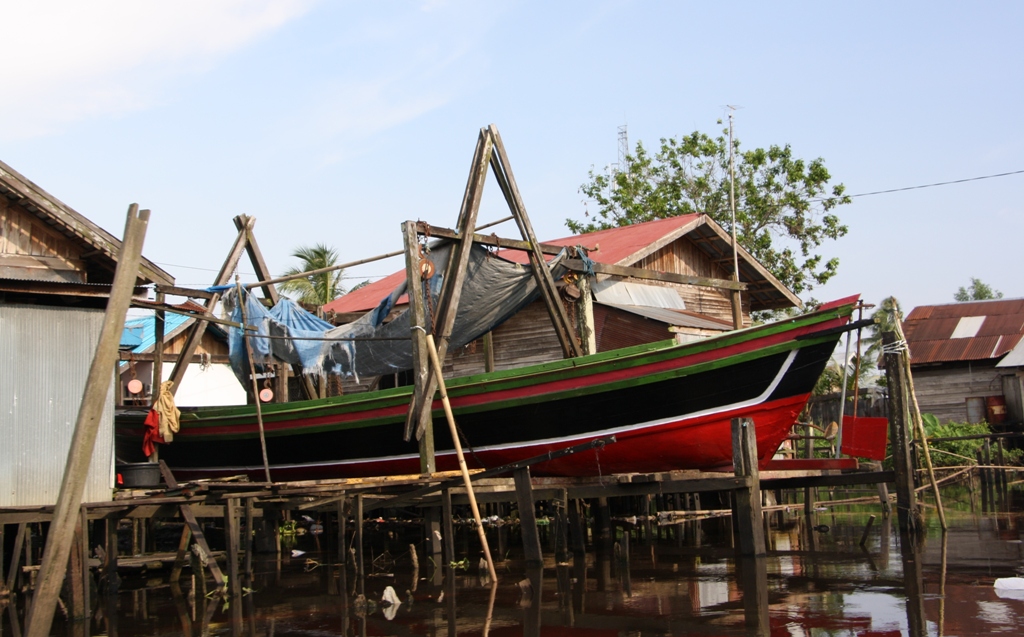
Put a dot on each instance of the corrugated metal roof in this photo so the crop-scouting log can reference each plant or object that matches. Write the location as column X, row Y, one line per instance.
column 139, row 334
column 615, row 292
column 674, row 317
column 930, row 330
column 624, row 245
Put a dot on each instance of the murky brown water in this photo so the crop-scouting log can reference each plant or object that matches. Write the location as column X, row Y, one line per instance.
column 813, row 582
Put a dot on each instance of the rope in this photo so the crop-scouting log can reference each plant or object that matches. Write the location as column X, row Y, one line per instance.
column 896, row 347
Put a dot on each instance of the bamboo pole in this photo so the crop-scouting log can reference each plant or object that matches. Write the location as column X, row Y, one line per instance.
column 432, row 351
column 94, row 397
column 918, row 424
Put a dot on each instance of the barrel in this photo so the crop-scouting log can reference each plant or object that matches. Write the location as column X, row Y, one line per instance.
column 995, row 408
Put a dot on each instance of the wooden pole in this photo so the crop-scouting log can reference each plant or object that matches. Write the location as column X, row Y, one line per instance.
column 899, row 434
column 421, row 420
column 233, row 541
column 434, row 359
column 159, row 325
column 748, row 500
column 507, row 182
column 342, row 523
column 255, row 384
column 94, row 398
column 245, row 224
column 449, row 527
column 528, row 518
column 360, row 566
column 195, row 336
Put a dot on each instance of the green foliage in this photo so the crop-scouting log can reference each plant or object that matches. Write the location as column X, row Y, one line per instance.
column 977, row 291
column 966, row 449
column 784, row 205
column 317, row 289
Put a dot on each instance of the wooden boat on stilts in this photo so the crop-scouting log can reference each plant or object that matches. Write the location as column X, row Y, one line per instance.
column 669, row 406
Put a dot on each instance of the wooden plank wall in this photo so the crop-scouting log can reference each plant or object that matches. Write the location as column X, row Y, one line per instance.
column 944, row 391
column 684, row 257
column 29, row 249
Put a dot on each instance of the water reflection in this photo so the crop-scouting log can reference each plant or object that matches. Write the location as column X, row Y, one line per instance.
column 817, row 579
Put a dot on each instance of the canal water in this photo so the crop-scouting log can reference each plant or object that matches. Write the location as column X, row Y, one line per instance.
column 817, row 579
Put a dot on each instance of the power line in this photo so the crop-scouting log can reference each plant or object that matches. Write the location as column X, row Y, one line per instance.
column 940, row 183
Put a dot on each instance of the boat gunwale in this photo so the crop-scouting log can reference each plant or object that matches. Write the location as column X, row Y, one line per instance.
column 510, row 379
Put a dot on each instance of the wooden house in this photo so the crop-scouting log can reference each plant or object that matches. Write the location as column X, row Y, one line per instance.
column 626, row 311
column 968, row 361
column 56, row 268
column 208, row 379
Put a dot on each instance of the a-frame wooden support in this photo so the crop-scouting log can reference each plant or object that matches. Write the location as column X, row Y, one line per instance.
column 246, row 241
column 490, row 151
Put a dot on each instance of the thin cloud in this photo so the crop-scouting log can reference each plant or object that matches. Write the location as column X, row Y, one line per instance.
column 68, row 60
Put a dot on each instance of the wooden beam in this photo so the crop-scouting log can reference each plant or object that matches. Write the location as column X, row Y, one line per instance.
column 193, row 525
column 150, row 357
column 199, row 328
column 420, row 419
column 454, row 277
column 245, row 224
column 87, row 425
column 191, row 293
column 506, row 181
column 576, row 265
column 487, row 239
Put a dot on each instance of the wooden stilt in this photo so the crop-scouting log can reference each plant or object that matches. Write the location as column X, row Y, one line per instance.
column 182, row 557
column 247, row 539
column 753, row 576
column 528, row 518
column 449, row 527
column 19, row 543
column 111, row 580
column 232, row 542
column 561, row 504
column 748, row 500
column 194, row 527
column 342, row 524
column 360, row 566
column 75, row 580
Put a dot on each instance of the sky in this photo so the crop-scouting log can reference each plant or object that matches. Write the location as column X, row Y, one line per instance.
column 334, row 122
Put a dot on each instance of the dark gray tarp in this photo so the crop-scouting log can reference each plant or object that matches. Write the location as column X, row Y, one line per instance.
column 494, row 290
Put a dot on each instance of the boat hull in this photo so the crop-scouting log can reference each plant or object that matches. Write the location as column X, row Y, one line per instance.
column 669, row 406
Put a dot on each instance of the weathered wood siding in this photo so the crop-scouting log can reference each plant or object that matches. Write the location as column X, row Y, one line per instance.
column 684, row 257
column 30, row 249
column 943, row 391
column 528, row 337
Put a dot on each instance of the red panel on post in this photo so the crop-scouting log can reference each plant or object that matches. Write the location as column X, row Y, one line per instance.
column 865, row 437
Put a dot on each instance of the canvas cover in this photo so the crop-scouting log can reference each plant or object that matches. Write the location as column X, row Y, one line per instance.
column 494, row 290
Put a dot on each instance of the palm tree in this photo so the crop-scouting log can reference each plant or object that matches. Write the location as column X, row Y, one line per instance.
column 316, row 289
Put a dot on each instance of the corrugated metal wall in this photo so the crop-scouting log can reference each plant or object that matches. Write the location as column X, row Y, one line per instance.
column 45, row 354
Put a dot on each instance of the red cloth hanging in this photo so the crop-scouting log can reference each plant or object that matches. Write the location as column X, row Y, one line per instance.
column 152, row 434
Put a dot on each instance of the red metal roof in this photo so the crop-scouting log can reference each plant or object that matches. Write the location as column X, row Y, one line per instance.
column 930, row 329
column 623, row 245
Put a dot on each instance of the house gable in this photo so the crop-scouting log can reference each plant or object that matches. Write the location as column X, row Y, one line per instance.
column 43, row 239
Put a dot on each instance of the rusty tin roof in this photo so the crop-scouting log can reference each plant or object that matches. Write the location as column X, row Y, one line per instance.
column 977, row 330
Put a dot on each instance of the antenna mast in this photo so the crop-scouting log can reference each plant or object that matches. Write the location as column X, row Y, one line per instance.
column 737, row 308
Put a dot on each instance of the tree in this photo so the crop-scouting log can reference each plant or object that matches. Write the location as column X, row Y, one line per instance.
column 977, row 291
column 317, row 289
column 784, row 205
